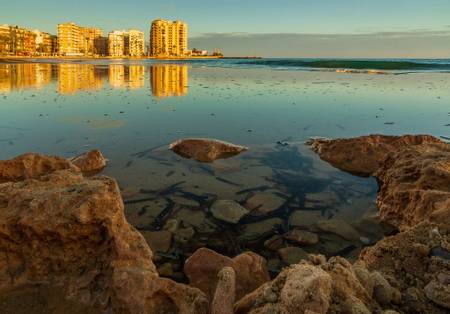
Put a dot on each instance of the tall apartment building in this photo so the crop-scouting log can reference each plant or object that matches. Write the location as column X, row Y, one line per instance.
column 136, row 43
column 78, row 40
column 46, row 44
column 168, row 39
column 118, row 43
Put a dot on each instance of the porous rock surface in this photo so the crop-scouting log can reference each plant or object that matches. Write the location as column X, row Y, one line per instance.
column 65, row 233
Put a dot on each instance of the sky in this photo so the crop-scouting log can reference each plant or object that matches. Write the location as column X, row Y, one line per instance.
column 282, row 28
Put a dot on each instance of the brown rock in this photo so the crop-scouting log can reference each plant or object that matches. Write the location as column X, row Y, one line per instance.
column 29, row 166
column 204, row 265
column 165, row 270
column 363, row 155
column 205, row 150
column 66, row 232
column 228, row 211
column 90, row 163
column 274, row 243
column 297, row 289
column 264, row 203
column 224, row 296
column 292, row 255
column 438, row 293
column 302, row 237
column 159, row 241
column 340, row 228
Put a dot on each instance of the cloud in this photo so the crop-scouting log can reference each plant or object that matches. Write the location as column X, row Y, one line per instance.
column 412, row 43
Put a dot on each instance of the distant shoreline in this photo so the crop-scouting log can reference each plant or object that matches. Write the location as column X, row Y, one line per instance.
column 20, row 58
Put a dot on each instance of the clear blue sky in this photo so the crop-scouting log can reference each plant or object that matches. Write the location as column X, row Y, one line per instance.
column 260, row 17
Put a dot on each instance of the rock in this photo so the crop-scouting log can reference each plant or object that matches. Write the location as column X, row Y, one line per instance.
column 355, row 306
column 321, row 200
column 205, row 150
column 228, row 211
column 439, row 293
column 165, row 270
column 62, row 231
column 172, row 225
column 274, row 243
column 264, row 203
column 363, row 155
column 90, row 163
column 224, row 296
column 383, row 293
column 340, row 228
column 297, row 289
column 302, row 237
column 31, row 166
column 159, row 241
column 256, row 230
column 184, row 235
column 292, row 255
column 195, row 218
column 204, row 265
column 304, row 218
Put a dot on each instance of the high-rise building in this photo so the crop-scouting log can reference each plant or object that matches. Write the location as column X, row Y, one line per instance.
column 77, row 40
column 168, row 39
column 118, row 43
column 45, row 43
column 5, row 40
column 136, row 43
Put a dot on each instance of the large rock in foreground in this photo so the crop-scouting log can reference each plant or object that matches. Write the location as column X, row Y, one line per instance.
column 66, row 235
column 205, row 150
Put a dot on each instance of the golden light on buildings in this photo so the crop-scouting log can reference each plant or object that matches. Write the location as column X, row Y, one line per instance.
column 168, row 39
column 77, row 40
column 169, row 80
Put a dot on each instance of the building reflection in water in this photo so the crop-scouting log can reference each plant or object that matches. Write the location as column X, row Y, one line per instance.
column 168, row 80
column 24, row 76
column 126, row 76
column 73, row 78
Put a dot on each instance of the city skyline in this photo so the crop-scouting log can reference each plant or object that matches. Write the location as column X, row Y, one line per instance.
column 347, row 28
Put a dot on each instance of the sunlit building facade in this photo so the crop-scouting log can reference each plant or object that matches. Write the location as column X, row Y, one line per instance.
column 78, row 41
column 46, row 44
column 118, row 43
column 136, row 43
column 168, row 80
column 168, row 39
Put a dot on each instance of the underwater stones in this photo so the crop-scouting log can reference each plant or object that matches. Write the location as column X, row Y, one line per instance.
column 302, row 237
column 90, row 163
column 194, row 218
column 324, row 200
column 205, row 150
column 159, row 241
column 184, row 235
column 228, row 211
column 202, row 269
column 274, row 243
column 340, row 228
column 264, row 203
column 304, row 218
column 256, row 230
column 292, row 255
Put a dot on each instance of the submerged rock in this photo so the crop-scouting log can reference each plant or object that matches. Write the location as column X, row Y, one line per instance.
column 302, row 237
column 228, row 211
column 205, row 150
column 292, row 255
column 340, row 228
column 264, row 203
column 203, row 267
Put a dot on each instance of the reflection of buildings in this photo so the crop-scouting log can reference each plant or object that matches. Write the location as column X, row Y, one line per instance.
column 168, row 39
column 169, row 80
column 121, row 76
column 24, row 76
column 73, row 78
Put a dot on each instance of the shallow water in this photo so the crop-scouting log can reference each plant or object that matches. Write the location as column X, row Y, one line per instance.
column 131, row 111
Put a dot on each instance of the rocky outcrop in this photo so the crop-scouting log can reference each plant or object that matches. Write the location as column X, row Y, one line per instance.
column 413, row 172
column 90, row 163
column 202, row 269
column 63, row 232
column 205, row 150
column 362, row 155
